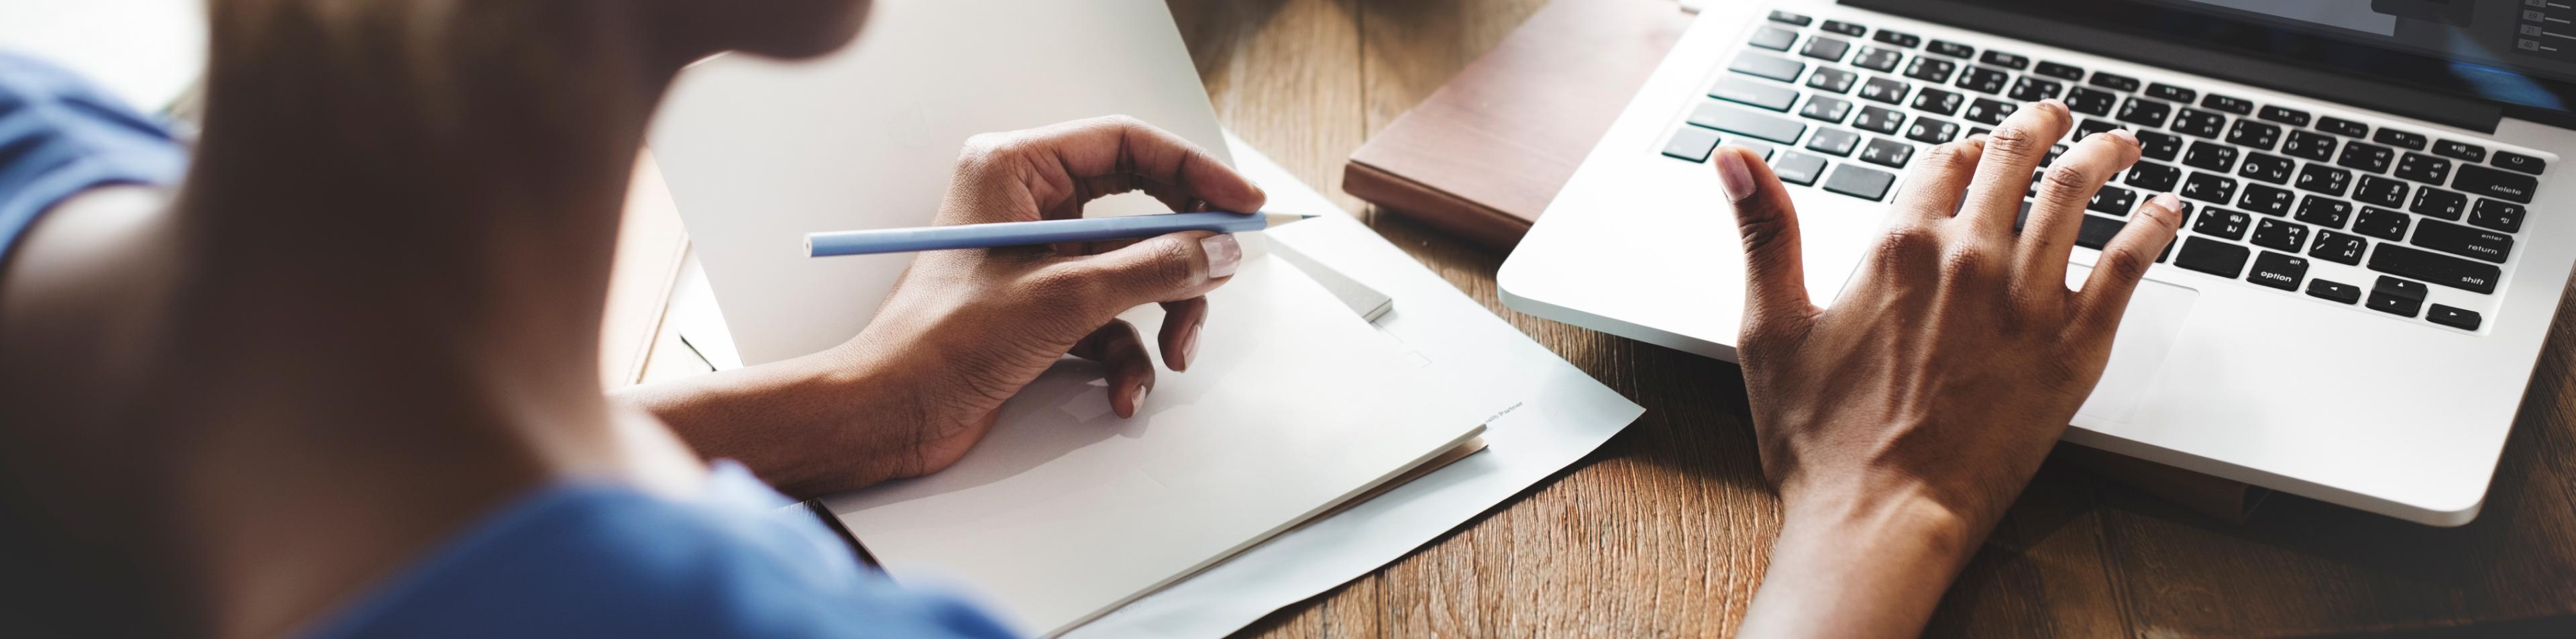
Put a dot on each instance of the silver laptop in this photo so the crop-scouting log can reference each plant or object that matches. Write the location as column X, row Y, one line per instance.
column 2354, row 307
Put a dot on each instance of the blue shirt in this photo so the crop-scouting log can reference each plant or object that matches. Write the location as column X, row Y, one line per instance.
column 578, row 558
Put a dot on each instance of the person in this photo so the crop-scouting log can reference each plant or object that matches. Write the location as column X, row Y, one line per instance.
column 331, row 371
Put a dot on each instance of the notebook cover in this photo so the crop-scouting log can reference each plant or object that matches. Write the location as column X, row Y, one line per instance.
column 1486, row 152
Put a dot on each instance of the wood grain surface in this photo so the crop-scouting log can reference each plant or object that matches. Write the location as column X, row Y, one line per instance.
column 1666, row 530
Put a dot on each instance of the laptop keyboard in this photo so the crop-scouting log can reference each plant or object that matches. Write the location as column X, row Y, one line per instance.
column 1843, row 107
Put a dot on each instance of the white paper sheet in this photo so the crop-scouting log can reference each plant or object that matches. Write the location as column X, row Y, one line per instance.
column 1546, row 415
column 1065, row 510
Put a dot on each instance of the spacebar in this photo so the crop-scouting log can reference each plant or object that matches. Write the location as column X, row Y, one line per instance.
column 1730, row 119
column 2437, row 268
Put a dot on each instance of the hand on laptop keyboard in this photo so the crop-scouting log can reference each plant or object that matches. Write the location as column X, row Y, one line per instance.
column 1899, row 424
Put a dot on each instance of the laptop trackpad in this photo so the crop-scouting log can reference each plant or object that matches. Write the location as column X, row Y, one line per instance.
column 2155, row 320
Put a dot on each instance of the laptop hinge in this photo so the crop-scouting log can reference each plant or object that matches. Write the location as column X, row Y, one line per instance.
column 2466, row 113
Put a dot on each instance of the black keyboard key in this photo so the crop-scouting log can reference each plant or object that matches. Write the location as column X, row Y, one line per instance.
column 2096, row 231
column 2210, row 156
column 2051, row 158
column 2230, row 104
column 1691, row 143
column 2337, row 246
column 2459, row 318
column 1845, row 28
column 1879, row 119
column 2266, row 199
column 1898, row 38
column 1791, row 18
column 1774, row 38
column 2423, row 168
column 1931, row 130
column 2012, row 61
column 1884, row 90
column 1951, row 49
column 2408, row 140
column 2209, row 187
column 1989, row 111
column 2366, row 157
column 1827, row 108
column 2397, row 297
column 2159, row 145
column 2334, row 291
column 2323, row 179
column 2091, row 126
column 2266, row 167
column 2496, row 214
column 2031, row 88
column 2090, row 101
column 2280, row 235
column 1938, row 101
column 2460, row 150
column 1877, row 59
column 2113, row 200
column 1832, row 79
column 1933, row 70
column 1826, row 49
column 1984, row 80
column 2113, row 81
column 2153, row 177
column 2065, row 72
column 2278, row 271
column 1798, row 168
column 2218, row 222
column 1859, row 181
column 2200, row 123
column 1732, row 119
column 2144, row 112
column 1742, row 90
column 2518, row 162
column 2479, row 180
column 2343, row 127
column 2313, row 147
column 2459, row 273
column 1768, row 66
column 2323, row 211
column 2464, row 241
column 2162, row 91
column 2433, row 202
column 1886, row 152
column 2213, row 257
column 2379, row 191
column 2254, row 134
column 2285, row 115
column 1835, row 142
column 2382, row 223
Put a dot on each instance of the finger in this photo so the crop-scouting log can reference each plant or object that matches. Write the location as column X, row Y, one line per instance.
column 1170, row 267
column 1933, row 187
column 1131, row 371
column 1775, row 286
column 2012, row 152
column 2124, row 261
column 2058, row 211
column 1180, row 336
column 1075, row 162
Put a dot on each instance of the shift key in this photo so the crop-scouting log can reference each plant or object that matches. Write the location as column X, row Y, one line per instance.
column 2406, row 261
column 1731, row 119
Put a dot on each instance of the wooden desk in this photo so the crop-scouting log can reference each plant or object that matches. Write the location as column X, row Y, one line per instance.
column 1665, row 531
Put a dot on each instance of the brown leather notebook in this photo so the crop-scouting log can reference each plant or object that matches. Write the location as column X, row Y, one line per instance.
column 1483, row 156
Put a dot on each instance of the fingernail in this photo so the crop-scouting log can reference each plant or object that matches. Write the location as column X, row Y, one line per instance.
column 2052, row 104
column 2124, row 134
column 1190, row 344
column 1224, row 254
column 1733, row 175
column 1142, row 390
column 2171, row 205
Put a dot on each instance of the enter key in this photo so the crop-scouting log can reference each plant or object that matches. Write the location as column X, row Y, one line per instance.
column 2464, row 241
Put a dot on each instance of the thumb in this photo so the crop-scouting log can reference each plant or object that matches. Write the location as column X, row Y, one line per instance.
column 1174, row 266
column 1775, row 277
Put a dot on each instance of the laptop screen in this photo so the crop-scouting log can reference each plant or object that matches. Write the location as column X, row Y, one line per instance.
column 2519, row 52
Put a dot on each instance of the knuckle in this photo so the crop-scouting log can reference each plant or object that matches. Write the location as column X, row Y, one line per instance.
column 1949, row 156
column 1966, row 262
column 1066, row 288
column 1906, row 246
column 2018, row 138
column 1175, row 262
column 1762, row 228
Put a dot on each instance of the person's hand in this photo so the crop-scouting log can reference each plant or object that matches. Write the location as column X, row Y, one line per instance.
column 1898, row 424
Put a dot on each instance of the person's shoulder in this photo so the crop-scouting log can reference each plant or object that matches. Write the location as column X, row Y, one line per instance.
column 605, row 561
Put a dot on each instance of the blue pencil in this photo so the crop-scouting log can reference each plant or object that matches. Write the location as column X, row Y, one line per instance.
column 999, row 234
